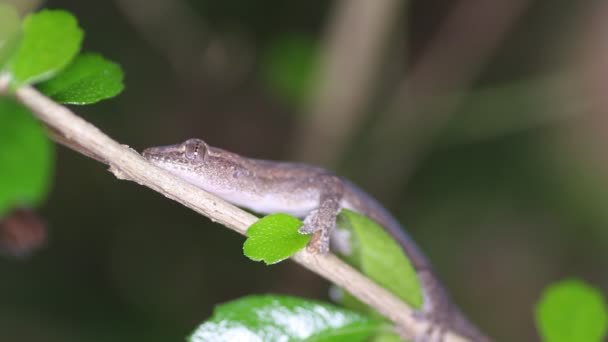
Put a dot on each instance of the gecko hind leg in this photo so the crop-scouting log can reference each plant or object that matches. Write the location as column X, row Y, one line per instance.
column 322, row 220
column 321, row 223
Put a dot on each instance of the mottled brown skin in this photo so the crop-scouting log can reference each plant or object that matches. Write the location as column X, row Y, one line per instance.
column 310, row 192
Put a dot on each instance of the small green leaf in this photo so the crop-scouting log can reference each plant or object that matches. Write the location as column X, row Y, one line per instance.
column 377, row 255
column 10, row 27
column 281, row 318
column 88, row 79
column 50, row 40
column 26, row 157
column 570, row 311
column 274, row 238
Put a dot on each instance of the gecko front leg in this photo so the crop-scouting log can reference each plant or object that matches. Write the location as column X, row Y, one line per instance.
column 322, row 220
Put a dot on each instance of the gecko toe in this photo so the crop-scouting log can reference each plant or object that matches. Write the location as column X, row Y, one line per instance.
column 307, row 229
column 318, row 244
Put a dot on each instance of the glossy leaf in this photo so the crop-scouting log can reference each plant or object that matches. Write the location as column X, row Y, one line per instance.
column 10, row 27
column 377, row 255
column 281, row 318
column 350, row 302
column 88, row 79
column 570, row 311
column 274, row 238
column 26, row 157
column 51, row 39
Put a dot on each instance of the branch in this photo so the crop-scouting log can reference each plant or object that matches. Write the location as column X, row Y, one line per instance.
column 468, row 36
column 355, row 43
column 173, row 29
column 127, row 164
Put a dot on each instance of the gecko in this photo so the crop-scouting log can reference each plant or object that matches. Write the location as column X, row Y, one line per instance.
column 316, row 195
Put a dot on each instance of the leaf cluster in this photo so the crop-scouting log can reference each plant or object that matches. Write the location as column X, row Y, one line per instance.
column 43, row 50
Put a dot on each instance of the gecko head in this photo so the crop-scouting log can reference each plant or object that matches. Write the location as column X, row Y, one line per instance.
column 198, row 163
column 185, row 156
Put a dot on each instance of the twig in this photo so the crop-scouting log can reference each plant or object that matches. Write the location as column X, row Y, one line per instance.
column 172, row 28
column 448, row 66
column 127, row 164
column 355, row 44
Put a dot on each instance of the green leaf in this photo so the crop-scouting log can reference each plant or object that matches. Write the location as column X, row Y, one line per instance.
column 50, row 40
column 281, row 318
column 377, row 255
column 10, row 27
column 88, row 79
column 570, row 311
column 274, row 238
column 26, row 157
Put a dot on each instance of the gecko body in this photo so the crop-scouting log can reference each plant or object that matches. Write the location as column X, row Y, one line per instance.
column 312, row 193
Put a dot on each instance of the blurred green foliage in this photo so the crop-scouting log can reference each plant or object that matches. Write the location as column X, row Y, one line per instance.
column 571, row 310
column 49, row 42
column 289, row 67
column 26, row 156
column 10, row 28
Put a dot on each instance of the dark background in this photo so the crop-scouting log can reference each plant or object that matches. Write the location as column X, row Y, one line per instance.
column 481, row 126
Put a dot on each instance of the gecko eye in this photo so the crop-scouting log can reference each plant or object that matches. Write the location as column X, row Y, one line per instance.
column 195, row 149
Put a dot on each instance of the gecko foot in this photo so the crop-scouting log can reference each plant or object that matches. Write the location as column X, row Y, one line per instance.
column 318, row 244
column 312, row 222
column 317, row 224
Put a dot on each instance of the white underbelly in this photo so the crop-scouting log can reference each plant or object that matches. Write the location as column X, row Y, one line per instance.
column 270, row 204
